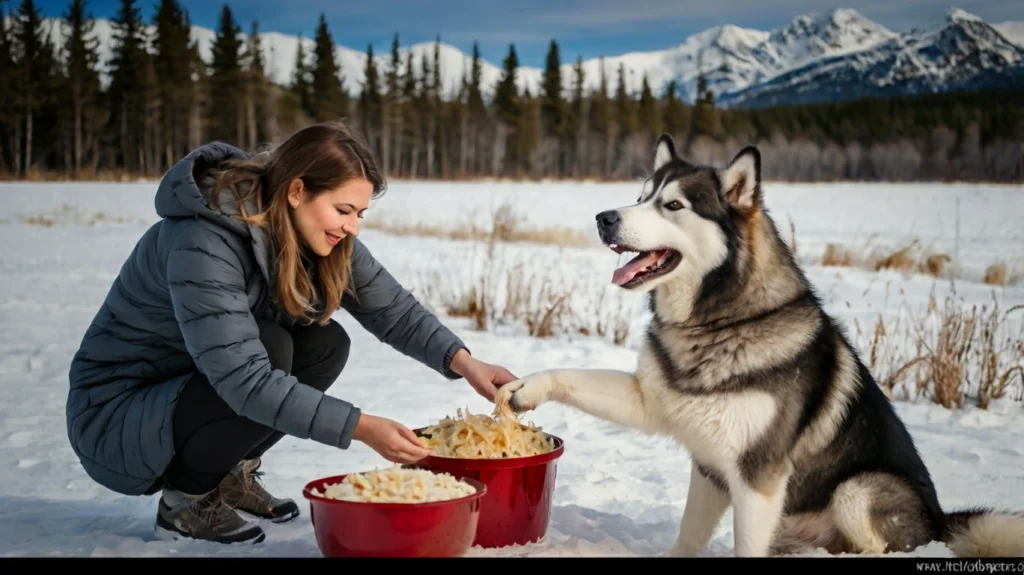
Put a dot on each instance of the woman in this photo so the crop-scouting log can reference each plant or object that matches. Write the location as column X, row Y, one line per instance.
column 216, row 338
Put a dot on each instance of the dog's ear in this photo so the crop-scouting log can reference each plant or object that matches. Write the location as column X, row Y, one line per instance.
column 664, row 152
column 741, row 179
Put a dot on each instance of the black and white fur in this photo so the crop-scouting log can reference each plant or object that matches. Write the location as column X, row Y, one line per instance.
column 744, row 368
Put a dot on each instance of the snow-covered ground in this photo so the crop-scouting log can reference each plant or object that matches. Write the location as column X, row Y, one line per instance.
column 618, row 493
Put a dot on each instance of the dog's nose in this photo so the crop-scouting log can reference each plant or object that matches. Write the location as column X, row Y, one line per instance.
column 609, row 218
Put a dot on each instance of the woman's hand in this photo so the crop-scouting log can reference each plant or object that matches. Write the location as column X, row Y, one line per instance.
column 392, row 440
column 484, row 377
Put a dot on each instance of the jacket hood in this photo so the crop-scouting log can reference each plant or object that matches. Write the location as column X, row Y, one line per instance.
column 181, row 195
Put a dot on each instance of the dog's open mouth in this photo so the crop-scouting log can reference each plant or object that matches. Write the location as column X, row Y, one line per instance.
column 645, row 266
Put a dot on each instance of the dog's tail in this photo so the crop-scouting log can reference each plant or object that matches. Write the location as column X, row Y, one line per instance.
column 983, row 532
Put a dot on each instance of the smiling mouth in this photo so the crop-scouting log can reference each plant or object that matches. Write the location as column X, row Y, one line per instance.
column 332, row 239
column 646, row 266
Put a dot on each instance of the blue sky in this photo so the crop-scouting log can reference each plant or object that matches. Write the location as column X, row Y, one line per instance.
column 588, row 28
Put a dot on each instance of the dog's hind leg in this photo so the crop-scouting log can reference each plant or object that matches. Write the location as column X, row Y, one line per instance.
column 879, row 513
column 706, row 502
column 607, row 394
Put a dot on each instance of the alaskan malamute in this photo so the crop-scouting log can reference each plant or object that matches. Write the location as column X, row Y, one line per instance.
column 743, row 367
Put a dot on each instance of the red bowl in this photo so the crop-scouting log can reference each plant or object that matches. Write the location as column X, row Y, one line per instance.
column 516, row 508
column 361, row 529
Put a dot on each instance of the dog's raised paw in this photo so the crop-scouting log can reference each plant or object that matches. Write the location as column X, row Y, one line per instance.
column 528, row 394
column 519, row 403
column 504, row 395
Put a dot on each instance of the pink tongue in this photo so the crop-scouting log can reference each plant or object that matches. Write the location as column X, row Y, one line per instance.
column 635, row 266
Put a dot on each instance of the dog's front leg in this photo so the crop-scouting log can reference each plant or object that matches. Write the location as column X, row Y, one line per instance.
column 705, row 505
column 607, row 394
column 757, row 510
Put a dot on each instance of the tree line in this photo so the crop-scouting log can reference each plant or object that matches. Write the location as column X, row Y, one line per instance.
column 164, row 99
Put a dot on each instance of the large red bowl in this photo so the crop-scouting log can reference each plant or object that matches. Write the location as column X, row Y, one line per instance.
column 516, row 509
column 359, row 529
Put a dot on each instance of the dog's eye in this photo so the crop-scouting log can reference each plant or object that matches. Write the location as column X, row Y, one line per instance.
column 674, row 205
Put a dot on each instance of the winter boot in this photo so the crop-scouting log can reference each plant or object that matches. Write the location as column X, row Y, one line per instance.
column 242, row 490
column 204, row 517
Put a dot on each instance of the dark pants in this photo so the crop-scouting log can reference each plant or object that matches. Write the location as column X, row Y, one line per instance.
column 209, row 439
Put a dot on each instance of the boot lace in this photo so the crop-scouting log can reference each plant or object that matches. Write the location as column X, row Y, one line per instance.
column 211, row 510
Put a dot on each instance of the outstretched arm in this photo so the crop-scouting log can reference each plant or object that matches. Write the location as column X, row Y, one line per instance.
column 394, row 316
column 207, row 289
column 607, row 394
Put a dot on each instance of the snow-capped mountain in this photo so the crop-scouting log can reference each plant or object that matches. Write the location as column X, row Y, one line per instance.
column 838, row 54
column 963, row 53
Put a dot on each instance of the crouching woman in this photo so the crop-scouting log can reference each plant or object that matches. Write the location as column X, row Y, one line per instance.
column 216, row 338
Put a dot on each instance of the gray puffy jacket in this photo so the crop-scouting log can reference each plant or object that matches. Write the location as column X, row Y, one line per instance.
column 187, row 299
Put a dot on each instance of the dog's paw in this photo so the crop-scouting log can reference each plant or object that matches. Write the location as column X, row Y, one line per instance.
column 504, row 395
column 526, row 394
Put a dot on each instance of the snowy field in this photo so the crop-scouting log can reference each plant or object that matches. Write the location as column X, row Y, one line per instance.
column 618, row 493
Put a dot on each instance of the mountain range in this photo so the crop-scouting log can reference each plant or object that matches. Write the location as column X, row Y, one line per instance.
column 816, row 57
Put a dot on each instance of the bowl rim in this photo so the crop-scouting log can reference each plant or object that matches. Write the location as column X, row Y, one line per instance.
column 443, row 463
column 480, row 491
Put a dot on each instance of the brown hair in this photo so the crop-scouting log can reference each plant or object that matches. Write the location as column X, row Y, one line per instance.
column 324, row 156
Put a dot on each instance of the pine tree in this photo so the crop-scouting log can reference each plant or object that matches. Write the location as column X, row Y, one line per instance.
column 7, row 103
column 506, row 96
column 198, row 99
column 80, row 61
column 128, row 86
column 625, row 112
column 437, row 114
column 412, row 130
column 149, row 152
column 529, row 133
column 329, row 102
column 390, row 139
column 601, row 122
column 577, row 125
column 225, row 118
column 301, row 81
column 676, row 114
column 553, row 104
column 508, row 109
column 32, row 75
column 174, row 77
column 428, row 107
column 256, row 87
column 553, row 107
column 649, row 112
column 370, row 101
column 474, row 122
column 625, row 121
column 477, row 109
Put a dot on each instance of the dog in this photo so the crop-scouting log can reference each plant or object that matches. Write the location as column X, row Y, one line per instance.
column 742, row 367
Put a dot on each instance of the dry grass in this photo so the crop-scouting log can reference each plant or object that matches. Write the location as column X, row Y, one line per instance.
column 997, row 274
column 507, row 227
column 913, row 258
column 910, row 258
column 502, row 295
column 949, row 354
column 70, row 215
column 838, row 256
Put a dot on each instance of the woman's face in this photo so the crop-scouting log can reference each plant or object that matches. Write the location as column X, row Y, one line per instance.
column 325, row 219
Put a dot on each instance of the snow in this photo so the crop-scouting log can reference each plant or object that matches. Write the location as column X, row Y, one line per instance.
column 1012, row 31
column 960, row 15
column 618, row 493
